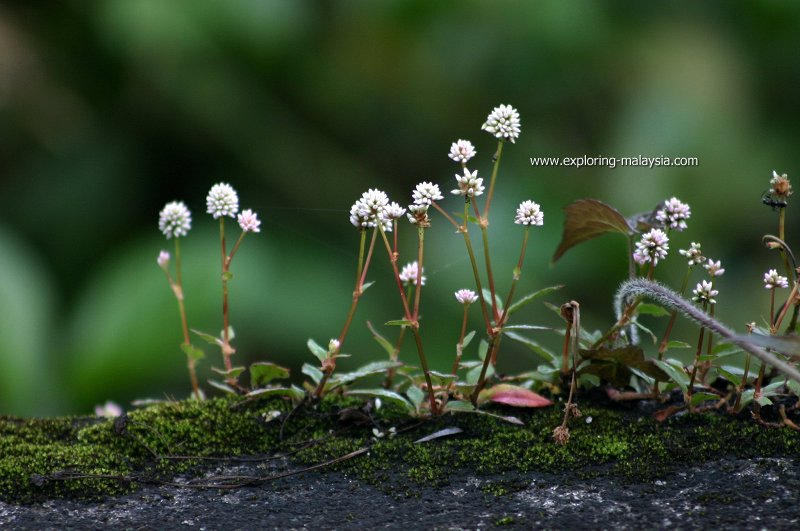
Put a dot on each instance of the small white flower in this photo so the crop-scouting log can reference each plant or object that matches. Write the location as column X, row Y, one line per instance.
column 249, row 222
column 333, row 346
column 529, row 213
column 652, row 247
column 426, row 193
column 222, row 201
column 163, row 260
column 408, row 275
column 694, row 254
column 674, row 214
column 773, row 280
column 392, row 212
column 462, row 151
column 108, row 410
column 175, row 220
column 714, row 269
column 705, row 292
column 469, row 184
column 503, row 122
column 466, row 296
column 418, row 215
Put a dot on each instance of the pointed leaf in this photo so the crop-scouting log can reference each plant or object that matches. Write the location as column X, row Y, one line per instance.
column 587, row 219
column 675, row 373
column 475, row 373
column 467, row 339
column 232, row 374
column 312, row 372
column 459, row 405
column 483, row 348
column 527, row 299
column 441, row 379
column 699, row 398
column 646, row 330
column 416, row 396
column 222, row 387
column 295, row 393
column 365, row 286
column 789, row 345
column 512, row 395
column 441, row 433
column 320, row 353
column 399, row 322
column 487, row 296
column 208, row 338
column 262, row 372
column 534, row 346
column 527, row 327
column 384, row 394
column 677, row 344
column 382, row 341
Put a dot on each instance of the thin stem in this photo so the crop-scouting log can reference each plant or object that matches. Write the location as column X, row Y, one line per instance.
column 448, row 216
column 496, row 159
column 387, row 384
column 494, row 343
column 393, row 261
column 690, row 389
column 424, row 362
column 460, row 344
column 190, row 361
column 227, row 351
column 474, row 263
column 516, row 274
column 740, row 390
column 662, row 347
column 790, row 301
column 420, row 253
column 631, row 263
column 488, row 261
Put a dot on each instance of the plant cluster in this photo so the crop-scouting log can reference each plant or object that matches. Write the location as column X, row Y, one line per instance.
column 614, row 358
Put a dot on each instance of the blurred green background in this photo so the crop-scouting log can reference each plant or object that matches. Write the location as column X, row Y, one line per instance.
column 109, row 109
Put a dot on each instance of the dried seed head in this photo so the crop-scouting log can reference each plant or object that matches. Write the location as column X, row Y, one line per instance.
column 780, row 186
column 561, row 435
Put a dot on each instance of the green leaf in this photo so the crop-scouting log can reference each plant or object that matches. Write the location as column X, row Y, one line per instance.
column 399, row 322
column 527, row 327
column 263, row 372
column 534, row 346
column 676, row 373
column 730, row 375
column 475, row 373
column 382, row 341
column 677, row 344
column 312, row 372
column 365, row 286
column 764, row 400
column 646, row 330
column 467, row 339
column 793, row 386
column 652, row 309
column 384, row 394
column 527, row 299
column 487, row 296
column 227, row 275
column 208, row 338
column 587, row 219
column 370, row 369
column 460, row 406
column 416, row 396
column 703, row 397
column 295, row 393
column 441, row 379
column 320, row 353
column 747, row 397
column 192, row 351
column 222, row 387
column 233, row 374
column 483, row 348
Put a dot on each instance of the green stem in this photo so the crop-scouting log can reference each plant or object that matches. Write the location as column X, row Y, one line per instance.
column 460, row 344
column 424, row 362
column 517, row 273
column 494, row 343
column 475, row 273
column 489, row 195
column 488, row 261
column 418, row 291
column 227, row 350
column 190, row 361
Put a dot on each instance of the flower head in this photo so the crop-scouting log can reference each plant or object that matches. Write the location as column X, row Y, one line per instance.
column 249, row 222
column 674, row 214
column 652, row 247
column 561, row 435
column 469, row 184
column 163, row 260
column 418, row 215
column 714, row 269
column 705, row 292
column 529, row 213
column 694, row 254
column 462, row 151
column 503, row 123
column 408, row 275
column 392, row 212
column 108, row 410
column 773, row 280
column 466, row 296
column 426, row 193
column 780, row 186
column 370, row 209
column 222, row 201
column 174, row 220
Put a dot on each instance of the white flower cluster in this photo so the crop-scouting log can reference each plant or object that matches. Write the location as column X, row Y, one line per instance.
column 503, row 123
column 462, row 150
column 674, row 214
column 426, row 193
column 175, row 220
column 694, row 254
column 714, row 269
column 773, row 280
column 469, row 184
column 222, row 201
column 249, row 222
column 409, row 273
column 529, row 213
column 466, row 296
column 705, row 292
column 652, row 247
column 372, row 208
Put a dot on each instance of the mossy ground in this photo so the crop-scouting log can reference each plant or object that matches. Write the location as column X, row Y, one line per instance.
column 84, row 457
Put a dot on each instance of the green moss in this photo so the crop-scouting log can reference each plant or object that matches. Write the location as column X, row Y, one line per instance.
column 82, row 457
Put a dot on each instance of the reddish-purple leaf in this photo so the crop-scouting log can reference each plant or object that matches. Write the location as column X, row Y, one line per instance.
column 512, row 395
column 587, row 219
